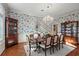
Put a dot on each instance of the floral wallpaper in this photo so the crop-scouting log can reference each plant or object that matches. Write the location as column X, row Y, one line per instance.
column 27, row 24
column 71, row 16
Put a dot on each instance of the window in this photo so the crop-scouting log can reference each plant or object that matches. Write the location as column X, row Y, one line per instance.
column 1, row 28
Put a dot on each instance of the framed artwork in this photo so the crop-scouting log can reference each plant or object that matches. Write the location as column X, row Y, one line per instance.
column 55, row 28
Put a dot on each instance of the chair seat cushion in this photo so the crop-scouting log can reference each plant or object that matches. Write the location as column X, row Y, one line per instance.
column 43, row 46
column 61, row 41
column 33, row 41
column 40, row 40
column 55, row 44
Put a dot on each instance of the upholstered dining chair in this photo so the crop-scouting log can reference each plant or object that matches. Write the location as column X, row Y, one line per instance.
column 28, row 45
column 31, row 39
column 36, row 39
column 54, row 43
column 61, row 40
column 32, row 42
column 46, row 44
column 41, row 35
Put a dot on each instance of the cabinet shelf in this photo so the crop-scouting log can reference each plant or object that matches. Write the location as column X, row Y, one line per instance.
column 11, row 31
column 71, row 29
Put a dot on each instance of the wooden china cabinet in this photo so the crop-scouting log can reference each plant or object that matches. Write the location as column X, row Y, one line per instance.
column 71, row 31
column 11, row 32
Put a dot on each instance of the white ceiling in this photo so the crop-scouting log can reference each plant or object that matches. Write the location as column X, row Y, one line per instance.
column 54, row 10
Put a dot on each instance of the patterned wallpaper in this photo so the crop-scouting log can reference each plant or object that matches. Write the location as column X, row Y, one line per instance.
column 27, row 24
column 71, row 16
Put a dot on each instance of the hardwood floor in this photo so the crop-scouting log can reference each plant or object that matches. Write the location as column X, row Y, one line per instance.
column 18, row 50
column 74, row 52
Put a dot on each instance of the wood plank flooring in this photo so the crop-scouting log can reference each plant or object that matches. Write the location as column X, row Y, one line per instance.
column 18, row 50
column 74, row 52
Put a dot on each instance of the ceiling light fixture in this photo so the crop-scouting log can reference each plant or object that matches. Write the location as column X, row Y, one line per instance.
column 42, row 10
column 46, row 6
column 49, row 5
column 47, row 19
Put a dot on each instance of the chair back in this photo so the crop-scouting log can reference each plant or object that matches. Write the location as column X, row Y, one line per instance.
column 61, row 37
column 27, row 37
column 38, row 34
column 55, row 38
column 41, row 35
column 59, row 34
column 35, row 36
column 31, row 36
column 48, row 41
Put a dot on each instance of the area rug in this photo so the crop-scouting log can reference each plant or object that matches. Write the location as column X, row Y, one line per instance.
column 62, row 52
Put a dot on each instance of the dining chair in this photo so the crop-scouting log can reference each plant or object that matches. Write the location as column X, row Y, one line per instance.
column 61, row 40
column 54, row 43
column 27, row 46
column 32, row 42
column 36, row 39
column 46, row 44
column 41, row 35
column 31, row 39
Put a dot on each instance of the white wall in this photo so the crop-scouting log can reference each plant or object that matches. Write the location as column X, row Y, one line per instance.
column 2, row 29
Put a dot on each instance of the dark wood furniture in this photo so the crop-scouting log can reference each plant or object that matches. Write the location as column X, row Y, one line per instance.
column 61, row 40
column 46, row 44
column 71, row 29
column 11, row 32
column 55, row 43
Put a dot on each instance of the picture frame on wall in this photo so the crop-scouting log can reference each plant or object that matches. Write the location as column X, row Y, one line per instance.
column 55, row 28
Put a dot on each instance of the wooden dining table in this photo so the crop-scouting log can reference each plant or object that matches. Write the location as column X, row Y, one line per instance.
column 40, row 40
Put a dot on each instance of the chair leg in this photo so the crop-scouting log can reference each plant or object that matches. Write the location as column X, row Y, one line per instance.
column 50, row 51
column 53, row 49
column 62, row 45
column 45, row 51
column 29, row 50
column 59, row 46
column 38, row 49
column 56, row 48
column 36, row 46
